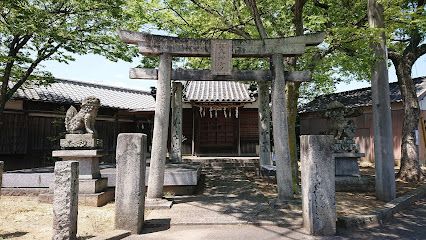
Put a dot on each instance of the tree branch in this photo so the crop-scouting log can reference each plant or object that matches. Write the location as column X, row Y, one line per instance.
column 393, row 56
column 179, row 15
column 41, row 57
column 251, row 4
column 15, row 45
column 421, row 50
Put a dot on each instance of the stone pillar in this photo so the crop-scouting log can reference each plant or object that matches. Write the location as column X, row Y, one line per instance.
column 318, row 184
column 161, row 128
column 176, row 140
column 130, row 182
column 280, row 130
column 382, row 119
column 264, row 124
column 1, row 174
column 65, row 200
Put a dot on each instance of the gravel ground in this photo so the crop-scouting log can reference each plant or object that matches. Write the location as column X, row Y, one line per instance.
column 26, row 218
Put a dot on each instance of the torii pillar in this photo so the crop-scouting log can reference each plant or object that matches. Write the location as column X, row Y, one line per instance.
column 264, row 124
column 382, row 119
column 280, row 130
column 161, row 127
column 176, row 128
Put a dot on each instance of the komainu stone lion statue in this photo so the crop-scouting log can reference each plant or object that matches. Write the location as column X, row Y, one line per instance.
column 83, row 121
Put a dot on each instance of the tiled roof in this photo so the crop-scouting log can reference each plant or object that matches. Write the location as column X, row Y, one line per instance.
column 360, row 97
column 217, row 91
column 71, row 92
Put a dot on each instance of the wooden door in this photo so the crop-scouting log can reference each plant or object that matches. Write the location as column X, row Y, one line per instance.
column 217, row 135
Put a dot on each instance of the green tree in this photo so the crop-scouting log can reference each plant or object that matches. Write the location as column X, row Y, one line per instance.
column 405, row 22
column 33, row 31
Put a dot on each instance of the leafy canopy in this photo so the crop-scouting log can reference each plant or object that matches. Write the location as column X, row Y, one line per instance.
column 33, row 31
column 344, row 56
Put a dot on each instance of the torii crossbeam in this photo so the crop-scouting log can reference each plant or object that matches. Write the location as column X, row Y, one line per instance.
column 206, row 75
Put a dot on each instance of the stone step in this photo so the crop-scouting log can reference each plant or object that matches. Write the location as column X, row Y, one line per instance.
column 250, row 164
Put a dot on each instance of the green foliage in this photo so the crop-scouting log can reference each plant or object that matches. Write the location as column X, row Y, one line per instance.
column 33, row 31
column 344, row 56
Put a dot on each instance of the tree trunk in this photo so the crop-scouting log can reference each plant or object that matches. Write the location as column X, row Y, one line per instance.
column 2, row 107
column 410, row 170
column 292, row 95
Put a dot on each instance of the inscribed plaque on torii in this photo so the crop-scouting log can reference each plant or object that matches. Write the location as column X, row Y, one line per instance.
column 221, row 56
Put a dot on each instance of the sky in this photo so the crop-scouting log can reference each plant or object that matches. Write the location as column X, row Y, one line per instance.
column 98, row 69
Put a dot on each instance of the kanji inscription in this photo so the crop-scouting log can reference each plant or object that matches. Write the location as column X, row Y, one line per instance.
column 221, row 55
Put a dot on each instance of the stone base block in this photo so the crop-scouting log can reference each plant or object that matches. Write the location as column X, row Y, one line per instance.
column 81, row 141
column 355, row 184
column 88, row 161
column 29, row 192
column 92, row 200
column 347, row 163
column 347, row 166
column 154, row 203
column 92, row 185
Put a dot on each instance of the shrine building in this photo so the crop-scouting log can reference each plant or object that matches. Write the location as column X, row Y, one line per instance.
column 220, row 118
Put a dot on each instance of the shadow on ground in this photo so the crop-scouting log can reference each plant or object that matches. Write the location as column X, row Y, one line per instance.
column 228, row 197
column 12, row 235
column 408, row 224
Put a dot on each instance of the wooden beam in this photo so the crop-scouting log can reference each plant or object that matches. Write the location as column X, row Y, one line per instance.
column 150, row 44
column 206, row 75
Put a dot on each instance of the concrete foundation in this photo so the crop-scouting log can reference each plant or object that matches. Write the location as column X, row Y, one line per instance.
column 179, row 179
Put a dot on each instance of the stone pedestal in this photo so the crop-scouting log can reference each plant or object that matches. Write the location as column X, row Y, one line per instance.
column 81, row 141
column 88, row 161
column 347, row 163
column 348, row 178
column 318, row 184
column 93, row 188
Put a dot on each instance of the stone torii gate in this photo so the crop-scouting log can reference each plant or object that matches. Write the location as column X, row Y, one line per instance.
column 221, row 52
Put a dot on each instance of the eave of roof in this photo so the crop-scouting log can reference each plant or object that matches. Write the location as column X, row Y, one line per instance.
column 361, row 97
column 73, row 92
column 217, row 91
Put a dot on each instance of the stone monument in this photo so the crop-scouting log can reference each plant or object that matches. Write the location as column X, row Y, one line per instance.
column 81, row 144
column 346, row 151
column 130, row 182
column 65, row 200
column 318, row 184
